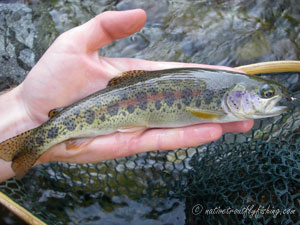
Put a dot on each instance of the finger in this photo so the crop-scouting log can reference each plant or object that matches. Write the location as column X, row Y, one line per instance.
column 242, row 126
column 109, row 26
column 6, row 170
column 123, row 144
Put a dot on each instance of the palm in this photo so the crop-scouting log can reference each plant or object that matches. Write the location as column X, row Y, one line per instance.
column 61, row 78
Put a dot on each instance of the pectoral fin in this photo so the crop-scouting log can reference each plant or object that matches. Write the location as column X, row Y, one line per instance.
column 79, row 143
column 132, row 128
column 205, row 114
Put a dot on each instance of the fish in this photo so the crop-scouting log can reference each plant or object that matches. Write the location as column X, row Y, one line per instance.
column 139, row 100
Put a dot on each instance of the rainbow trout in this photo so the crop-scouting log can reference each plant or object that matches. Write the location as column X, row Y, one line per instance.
column 150, row 99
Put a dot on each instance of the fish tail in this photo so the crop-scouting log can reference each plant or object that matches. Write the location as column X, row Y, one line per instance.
column 17, row 150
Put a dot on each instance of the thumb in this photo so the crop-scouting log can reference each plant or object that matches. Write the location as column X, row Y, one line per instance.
column 109, row 26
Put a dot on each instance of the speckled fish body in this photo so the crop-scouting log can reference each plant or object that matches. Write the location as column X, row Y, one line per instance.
column 166, row 98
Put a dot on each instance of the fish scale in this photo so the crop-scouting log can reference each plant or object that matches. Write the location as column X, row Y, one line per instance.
column 149, row 99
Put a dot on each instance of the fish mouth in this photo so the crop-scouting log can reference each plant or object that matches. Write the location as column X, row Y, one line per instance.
column 275, row 111
column 272, row 109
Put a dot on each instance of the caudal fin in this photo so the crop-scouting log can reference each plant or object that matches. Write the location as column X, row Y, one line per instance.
column 16, row 149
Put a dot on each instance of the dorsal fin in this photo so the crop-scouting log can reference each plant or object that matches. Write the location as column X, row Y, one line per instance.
column 125, row 76
column 54, row 112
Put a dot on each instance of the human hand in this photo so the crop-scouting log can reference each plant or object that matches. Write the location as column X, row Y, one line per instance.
column 72, row 69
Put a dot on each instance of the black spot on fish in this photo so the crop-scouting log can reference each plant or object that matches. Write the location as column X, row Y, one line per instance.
column 130, row 109
column 169, row 97
column 42, row 133
column 142, row 100
column 179, row 106
column 208, row 96
column 76, row 113
column 187, row 96
column 39, row 140
column 30, row 145
column 124, row 113
column 221, row 92
column 89, row 116
column 219, row 102
column 198, row 102
column 157, row 104
column 123, row 96
column 53, row 132
column 113, row 109
column 153, row 91
column 102, row 117
column 69, row 123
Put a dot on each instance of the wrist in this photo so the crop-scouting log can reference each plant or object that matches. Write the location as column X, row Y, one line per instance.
column 13, row 114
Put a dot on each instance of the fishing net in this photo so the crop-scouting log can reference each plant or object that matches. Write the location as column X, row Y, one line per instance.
column 250, row 178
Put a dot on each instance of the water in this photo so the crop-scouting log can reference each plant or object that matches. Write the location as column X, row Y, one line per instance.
column 230, row 33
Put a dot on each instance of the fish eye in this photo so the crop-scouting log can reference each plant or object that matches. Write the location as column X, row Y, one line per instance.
column 267, row 91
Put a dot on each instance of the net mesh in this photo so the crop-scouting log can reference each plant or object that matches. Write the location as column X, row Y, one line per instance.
column 258, row 170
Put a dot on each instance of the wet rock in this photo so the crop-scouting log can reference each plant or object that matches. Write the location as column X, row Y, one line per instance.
column 11, row 74
column 27, row 57
column 24, row 37
column 72, row 13
column 253, row 49
column 285, row 48
column 156, row 11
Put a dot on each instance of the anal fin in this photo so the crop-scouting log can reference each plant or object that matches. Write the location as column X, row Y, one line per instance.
column 22, row 163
